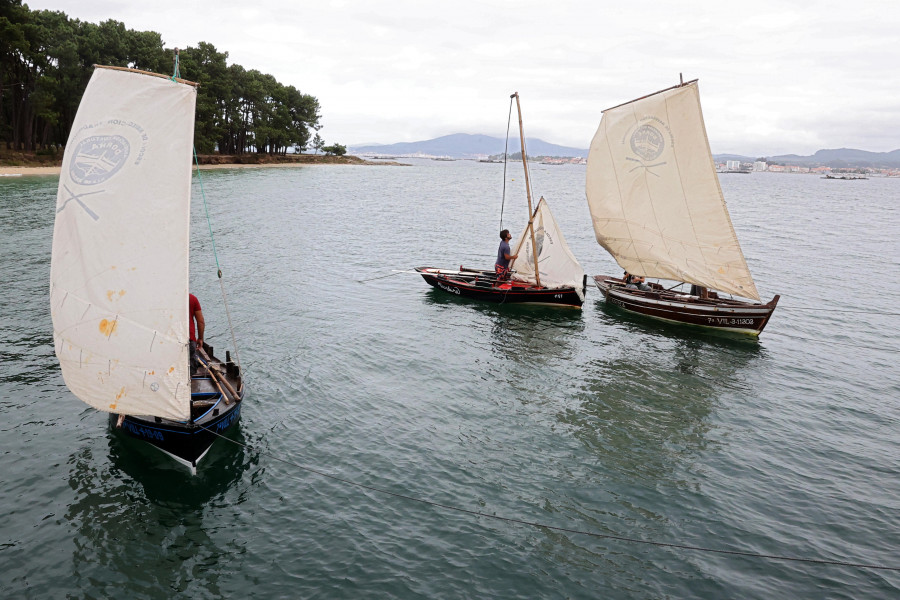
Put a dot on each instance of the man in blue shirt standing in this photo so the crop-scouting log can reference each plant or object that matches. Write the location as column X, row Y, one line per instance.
column 501, row 267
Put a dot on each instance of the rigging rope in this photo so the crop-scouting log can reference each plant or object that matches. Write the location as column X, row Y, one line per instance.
column 537, row 525
column 237, row 356
column 176, row 74
column 505, row 157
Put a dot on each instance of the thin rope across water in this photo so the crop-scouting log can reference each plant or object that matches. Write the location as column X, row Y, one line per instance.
column 830, row 342
column 537, row 525
column 840, row 310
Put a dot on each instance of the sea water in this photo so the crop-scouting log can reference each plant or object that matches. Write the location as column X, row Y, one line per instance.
column 377, row 405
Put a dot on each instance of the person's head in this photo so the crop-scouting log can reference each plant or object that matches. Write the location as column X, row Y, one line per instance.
column 504, row 235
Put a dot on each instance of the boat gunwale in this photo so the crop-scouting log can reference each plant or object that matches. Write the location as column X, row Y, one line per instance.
column 520, row 293
column 516, row 286
column 618, row 286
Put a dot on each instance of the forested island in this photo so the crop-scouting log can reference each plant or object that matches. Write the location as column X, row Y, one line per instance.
column 47, row 58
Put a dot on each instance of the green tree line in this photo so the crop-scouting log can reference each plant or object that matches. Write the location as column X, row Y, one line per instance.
column 47, row 58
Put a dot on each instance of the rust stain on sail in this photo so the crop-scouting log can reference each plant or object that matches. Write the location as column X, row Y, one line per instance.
column 108, row 327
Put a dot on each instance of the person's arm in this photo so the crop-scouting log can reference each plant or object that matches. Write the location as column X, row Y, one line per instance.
column 201, row 327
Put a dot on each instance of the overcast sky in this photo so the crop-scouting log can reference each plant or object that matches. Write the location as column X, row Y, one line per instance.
column 776, row 77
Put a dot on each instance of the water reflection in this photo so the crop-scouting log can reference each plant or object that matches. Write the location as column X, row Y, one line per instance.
column 524, row 333
column 644, row 407
column 534, row 335
column 441, row 298
column 144, row 521
column 166, row 482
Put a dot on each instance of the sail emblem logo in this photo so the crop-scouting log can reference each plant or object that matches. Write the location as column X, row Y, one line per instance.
column 647, row 142
column 98, row 158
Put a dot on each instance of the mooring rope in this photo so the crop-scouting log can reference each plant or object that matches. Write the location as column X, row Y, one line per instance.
column 830, row 342
column 536, row 525
column 388, row 275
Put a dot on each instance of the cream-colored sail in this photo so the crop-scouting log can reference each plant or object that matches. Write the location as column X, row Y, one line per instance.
column 119, row 266
column 654, row 196
column 558, row 267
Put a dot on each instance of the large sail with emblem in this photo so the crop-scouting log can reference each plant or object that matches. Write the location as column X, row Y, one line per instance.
column 558, row 267
column 654, row 196
column 119, row 267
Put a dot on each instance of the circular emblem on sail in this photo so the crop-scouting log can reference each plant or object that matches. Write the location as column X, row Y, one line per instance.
column 647, row 142
column 98, row 158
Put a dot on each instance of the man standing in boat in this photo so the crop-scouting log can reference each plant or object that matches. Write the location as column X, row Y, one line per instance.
column 196, row 341
column 501, row 267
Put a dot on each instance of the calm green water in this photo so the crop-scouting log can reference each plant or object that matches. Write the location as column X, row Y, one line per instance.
column 591, row 421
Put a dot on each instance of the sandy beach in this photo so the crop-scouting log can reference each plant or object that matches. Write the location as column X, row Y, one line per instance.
column 8, row 171
column 17, row 171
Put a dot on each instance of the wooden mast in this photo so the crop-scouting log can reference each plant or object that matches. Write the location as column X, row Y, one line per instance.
column 537, row 274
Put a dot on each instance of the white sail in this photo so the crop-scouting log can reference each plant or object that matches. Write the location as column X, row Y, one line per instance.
column 119, row 266
column 558, row 267
column 654, row 196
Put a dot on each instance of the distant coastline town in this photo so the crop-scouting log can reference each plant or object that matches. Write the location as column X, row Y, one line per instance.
column 736, row 166
column 844, row 163
column 722, row 166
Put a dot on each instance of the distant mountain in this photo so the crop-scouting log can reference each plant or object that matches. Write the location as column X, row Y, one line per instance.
column 464, row 145
column 836, row 159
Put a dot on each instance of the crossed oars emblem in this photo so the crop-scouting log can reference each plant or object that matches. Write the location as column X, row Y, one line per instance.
column 645, row 166
column 77, row 198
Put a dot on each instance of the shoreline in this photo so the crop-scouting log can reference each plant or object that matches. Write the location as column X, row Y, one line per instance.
column 208, row 163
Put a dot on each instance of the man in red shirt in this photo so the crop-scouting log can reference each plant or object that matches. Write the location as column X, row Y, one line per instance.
column 196, row 341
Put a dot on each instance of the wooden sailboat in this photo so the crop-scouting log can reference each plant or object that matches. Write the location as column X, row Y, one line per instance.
column 119, row 267
column 658, row 209
column 546, row 271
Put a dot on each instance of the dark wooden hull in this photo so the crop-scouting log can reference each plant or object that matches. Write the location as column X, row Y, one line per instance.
column 720, row 314
column 212, row 415
column 483, row 285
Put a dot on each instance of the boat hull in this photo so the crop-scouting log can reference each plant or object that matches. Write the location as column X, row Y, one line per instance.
column 214, row 412
column 732, row 316
column 186, row 442
column 483, row 286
